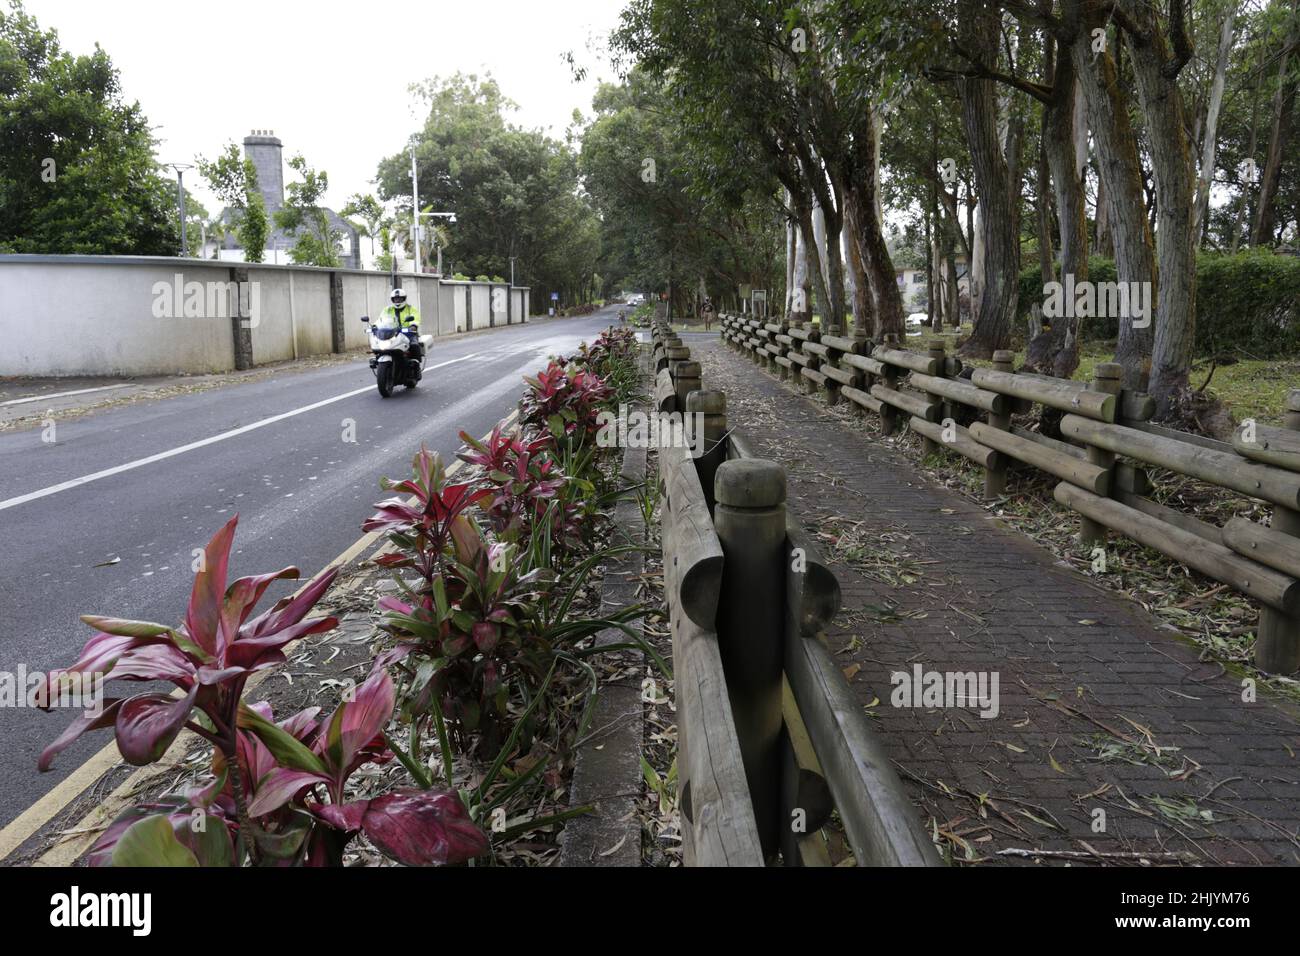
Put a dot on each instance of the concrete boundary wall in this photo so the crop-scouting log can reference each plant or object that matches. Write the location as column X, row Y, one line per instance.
column 135, row 315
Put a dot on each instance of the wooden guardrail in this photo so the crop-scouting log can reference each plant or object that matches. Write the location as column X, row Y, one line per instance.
column 770, row 737
column 1107, row 442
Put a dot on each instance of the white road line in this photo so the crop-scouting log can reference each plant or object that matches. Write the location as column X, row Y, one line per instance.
column 172, row 453
column 53, row 395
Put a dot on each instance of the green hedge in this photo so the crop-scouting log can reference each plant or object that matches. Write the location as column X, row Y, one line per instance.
column 1248, row 303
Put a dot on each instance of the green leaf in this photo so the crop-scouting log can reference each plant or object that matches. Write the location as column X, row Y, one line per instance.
column 125, row 628
column 287, row 749
column 152, row 842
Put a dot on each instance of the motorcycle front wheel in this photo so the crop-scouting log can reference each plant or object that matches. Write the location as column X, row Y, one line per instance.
column 384, row 378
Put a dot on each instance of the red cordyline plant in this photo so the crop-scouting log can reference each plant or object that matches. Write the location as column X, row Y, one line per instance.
column 524, row 478
column 423, row 529
column 565, row 403
column 611, row 346
column 290, row 822
column 210, row 657
column 451, row 623
column 459, row 653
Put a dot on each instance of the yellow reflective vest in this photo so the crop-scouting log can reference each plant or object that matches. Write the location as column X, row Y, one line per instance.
column 406, row 316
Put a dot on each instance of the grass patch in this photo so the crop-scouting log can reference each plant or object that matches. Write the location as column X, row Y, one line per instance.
column 1251, row 388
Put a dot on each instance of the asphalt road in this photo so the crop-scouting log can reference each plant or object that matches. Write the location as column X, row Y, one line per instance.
column 166, row 474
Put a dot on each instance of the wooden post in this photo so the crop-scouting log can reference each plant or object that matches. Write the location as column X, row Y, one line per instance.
column 676, row 355
column 686, row 380
column 937, row 351
column 750, row 520
column 1277, row 640
column 995, row 478
column 1109, row 378
column 669, row 342
column 706, row 425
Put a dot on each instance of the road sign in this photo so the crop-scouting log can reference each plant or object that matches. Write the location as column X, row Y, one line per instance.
column 555, row 297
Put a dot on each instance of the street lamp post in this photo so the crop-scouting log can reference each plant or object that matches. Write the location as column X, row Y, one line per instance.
column 416, row 216
column 415, row 213
column 180, row 205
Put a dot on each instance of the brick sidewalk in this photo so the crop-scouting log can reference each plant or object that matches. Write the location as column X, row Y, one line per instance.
column 1100, row 708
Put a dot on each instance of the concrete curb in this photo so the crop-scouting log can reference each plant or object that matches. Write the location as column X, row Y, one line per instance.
column 607, row 765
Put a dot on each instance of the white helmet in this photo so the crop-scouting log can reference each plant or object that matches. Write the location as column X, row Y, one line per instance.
column 398, row 297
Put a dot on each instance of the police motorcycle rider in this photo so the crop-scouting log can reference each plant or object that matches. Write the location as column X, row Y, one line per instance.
column 408, row 320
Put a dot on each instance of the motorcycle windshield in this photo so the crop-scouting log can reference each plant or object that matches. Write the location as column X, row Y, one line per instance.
column 385, row 328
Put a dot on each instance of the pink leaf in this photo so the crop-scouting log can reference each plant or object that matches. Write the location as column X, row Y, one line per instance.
column 279, row 787
column 147, row 725
column 423, row 828
column 203, row 617
column 81, row 725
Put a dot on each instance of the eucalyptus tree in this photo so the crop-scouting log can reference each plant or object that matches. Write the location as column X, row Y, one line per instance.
column 803, row 87
column 1287, row 30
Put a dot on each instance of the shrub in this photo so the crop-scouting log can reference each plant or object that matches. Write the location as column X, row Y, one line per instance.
column 523, row 476
column 1090, row 329
column 564, row 402
column 263, row 801
column 1247, row 303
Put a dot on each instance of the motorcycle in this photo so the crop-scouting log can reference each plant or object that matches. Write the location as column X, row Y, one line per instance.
column 398, row 354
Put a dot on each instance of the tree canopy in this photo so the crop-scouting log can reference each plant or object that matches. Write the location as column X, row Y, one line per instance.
column 77, row 166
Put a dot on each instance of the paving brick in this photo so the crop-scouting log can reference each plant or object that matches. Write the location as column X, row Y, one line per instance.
column 986, row 598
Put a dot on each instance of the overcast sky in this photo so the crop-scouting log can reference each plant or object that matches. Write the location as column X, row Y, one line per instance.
column 330, row 79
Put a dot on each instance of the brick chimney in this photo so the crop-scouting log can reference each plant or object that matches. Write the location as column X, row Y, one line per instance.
column 266, row 152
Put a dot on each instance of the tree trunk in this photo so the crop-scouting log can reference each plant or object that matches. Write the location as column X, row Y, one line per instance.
column 1046, row 265
column 951, row 294
column 1121, row 175
column 813, row 257
column 1284, row 103
column 999, row 195
column 863, row 310
column 822, row 243
column 835, row 268
column 887, row 301
column 1171, row 161
column 934, row 317
column 1105, row 244
column 1058, row 353
column 790, row 252
column 1211, row 143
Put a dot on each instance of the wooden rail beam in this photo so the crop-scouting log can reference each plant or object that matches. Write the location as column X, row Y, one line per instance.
column 1213, row 560
column 1084, row 474
column 1054, row 393
column 1221, row 468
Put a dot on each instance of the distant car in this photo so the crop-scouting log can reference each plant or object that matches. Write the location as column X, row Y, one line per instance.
column 916, row 318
